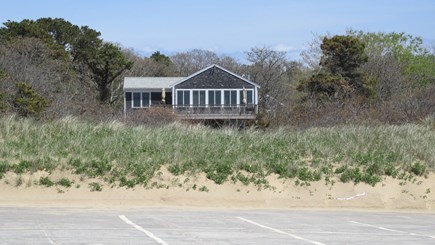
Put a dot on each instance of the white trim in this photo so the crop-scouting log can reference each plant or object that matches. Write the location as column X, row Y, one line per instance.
column 173, row 97
column 125, row 106
column 207, row 98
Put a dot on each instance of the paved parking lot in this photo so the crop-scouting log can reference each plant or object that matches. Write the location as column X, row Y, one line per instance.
column 188, row 226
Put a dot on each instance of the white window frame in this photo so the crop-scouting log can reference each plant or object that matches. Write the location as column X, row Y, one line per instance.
column 140, row 99
column 237, row 97
column 190, row 97
column 207, row 102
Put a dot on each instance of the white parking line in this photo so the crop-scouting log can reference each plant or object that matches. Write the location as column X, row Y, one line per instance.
column 280, row 231
column 387, row 229
column 49, row 239
column 148, row 233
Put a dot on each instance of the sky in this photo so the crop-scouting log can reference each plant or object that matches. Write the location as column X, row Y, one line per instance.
column 229, row 27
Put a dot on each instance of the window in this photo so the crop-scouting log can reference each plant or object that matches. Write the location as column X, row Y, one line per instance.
column 214, row 97
column 180, row 97
column 211, row 100
column 136, row 100
column 198, row 97
column 230, row 97
column 156, row 98
column 183, row 97
column 249, row 97
column 145, row 99
column 128, row 97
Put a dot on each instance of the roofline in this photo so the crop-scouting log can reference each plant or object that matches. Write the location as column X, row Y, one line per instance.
column 125, row 78
column 220, row 67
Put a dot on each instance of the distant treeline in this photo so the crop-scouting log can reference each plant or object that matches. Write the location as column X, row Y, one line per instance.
column 51, row 68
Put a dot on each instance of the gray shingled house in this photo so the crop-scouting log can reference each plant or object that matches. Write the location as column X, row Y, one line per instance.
column 212, row 93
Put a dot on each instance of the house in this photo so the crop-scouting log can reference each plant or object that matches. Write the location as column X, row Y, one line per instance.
column 211, row 93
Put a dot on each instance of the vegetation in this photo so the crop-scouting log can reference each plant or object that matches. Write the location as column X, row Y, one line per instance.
column 359, row 107
column 131, row 155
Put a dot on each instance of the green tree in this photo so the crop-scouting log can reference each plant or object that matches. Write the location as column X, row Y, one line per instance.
column 82, row 46
column 106, row 65
column 160, row 58
column 28, row 102
column 340, row 75
column 408, row 50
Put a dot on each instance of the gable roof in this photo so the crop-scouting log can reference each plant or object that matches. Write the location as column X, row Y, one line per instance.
column 149, row 82
column 209, row 67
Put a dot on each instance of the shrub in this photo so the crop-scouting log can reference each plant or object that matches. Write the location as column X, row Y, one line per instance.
column 23, row 166
column 27, row 102
column 154, row 116
column 93, row 168
column 64, row 182
column 219, row 173
column 418, row 169
column 4, row 167
column 46, row 181
column 95, row 186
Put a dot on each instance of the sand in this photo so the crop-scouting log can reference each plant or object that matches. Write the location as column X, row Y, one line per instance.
column 197, row 191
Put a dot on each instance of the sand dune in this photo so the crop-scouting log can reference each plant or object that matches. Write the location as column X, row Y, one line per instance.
column 197, row 191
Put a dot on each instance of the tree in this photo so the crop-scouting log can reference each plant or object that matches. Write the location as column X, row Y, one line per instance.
column 187, row 63
column 409, row 52
column 81, row 45
column 340, row 75
column 312, row 53
column 27, row 102
column 2, row 94
column 267, row 68
column 106, row 65
column 160, row 58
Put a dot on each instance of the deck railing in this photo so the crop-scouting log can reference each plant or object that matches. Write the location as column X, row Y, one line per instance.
column 216, row 110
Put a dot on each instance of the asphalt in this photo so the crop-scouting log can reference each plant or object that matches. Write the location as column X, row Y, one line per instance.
column 38, row 225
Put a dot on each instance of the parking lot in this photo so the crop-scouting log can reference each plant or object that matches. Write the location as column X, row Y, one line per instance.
column 203, row 226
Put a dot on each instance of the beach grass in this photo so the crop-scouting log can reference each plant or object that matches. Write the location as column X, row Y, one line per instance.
column 131, row 155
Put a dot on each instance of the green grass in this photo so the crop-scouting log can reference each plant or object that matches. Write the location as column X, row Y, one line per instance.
column 131, row 156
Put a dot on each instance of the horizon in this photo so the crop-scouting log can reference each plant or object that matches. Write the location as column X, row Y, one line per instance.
column 228, row 27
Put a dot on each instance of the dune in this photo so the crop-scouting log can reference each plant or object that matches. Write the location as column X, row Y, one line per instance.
column 167, row 190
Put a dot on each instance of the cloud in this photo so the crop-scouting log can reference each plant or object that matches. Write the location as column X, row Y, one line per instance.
column 284, row 48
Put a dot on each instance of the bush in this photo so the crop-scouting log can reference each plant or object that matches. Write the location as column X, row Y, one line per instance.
column 46, row 181
column 219, row 173
column 95, row 186
column 64, row 182
column 4, row 167
column 27, row 102
column 418, row 169
column 154, row 116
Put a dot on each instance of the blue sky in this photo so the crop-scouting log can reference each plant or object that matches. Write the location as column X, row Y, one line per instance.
column 229, row 26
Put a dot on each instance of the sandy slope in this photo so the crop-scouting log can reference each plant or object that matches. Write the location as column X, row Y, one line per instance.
column 180, row 191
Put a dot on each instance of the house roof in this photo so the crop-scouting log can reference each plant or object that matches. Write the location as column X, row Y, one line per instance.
column 209, row 67
column 149, row 82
